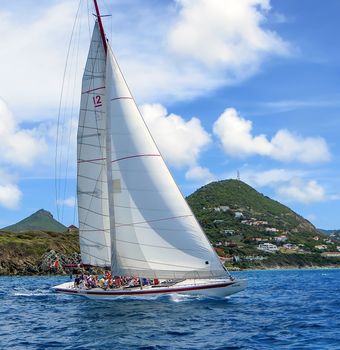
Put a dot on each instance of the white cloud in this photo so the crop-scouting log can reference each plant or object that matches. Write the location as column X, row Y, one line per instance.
column 302, row 191
column 271, row 178
column 18, row 146
column 68, row 202
column 199, row 174
column 179, row 141
column 10, row 196
column 32, row 64
column 226, row 33
column 235, row 134
column 210, row 43
column 176, row 55
column 290, row 147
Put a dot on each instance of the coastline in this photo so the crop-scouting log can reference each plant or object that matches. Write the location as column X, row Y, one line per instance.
column 288, row 268
column 281, row 268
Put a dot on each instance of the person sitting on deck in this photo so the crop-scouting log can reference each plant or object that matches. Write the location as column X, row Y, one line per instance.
column 101, row 283
column 77, row 282
column 118, row 282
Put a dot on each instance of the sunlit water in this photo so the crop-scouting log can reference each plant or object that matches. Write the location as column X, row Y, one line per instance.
column 291, row 309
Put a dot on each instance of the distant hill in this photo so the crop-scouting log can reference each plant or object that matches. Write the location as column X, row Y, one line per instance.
column 328, row 232
column 41, row 220
column 250, row 204
column 239, row 220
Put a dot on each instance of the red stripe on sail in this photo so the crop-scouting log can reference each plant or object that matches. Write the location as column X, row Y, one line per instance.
column 90, row 160
column 122, row 98
column 98, row 88
column 136, row 156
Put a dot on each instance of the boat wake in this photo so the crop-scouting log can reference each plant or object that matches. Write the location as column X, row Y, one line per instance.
column 23, row 292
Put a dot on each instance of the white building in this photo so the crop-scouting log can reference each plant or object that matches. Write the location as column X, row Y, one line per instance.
column 282, row 238
column 268, row 247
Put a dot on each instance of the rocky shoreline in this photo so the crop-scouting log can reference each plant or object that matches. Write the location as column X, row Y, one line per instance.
column 51, row 263
column 47, row 266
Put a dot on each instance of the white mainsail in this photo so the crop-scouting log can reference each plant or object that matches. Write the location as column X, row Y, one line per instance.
column 131, row 212
column 92, row 189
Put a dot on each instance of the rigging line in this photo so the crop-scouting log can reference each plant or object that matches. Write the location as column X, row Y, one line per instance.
column 66, row 103
column 88, row 18
column 59, row 111
column 72, row 117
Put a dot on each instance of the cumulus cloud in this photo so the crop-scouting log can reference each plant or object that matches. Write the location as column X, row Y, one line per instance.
column 68, row 202
column 199, row 174
column 32, row 65
column 181, row 51
column 210, row 43
column 302, row 191
column 235, row 134
column 271, row 177
column 225, row 33
column 18, row 146
column 180, row 141
column 289, row 185
column 10, row 194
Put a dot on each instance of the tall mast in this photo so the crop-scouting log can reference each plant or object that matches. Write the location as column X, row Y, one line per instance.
column 101, row 28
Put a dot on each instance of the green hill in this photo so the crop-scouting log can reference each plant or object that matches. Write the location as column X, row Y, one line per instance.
column 241, row 198
column 41, row 220
column 237, row 218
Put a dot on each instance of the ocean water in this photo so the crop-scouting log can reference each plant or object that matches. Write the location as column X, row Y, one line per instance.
column 283, row 309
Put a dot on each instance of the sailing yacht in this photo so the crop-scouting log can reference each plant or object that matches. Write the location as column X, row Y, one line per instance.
column 133, row 218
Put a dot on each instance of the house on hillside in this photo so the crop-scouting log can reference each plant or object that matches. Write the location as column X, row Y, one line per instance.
column 280, row 239
column 224, row 208
column 290, row 246
column 271, row 229
column 239, row 215
column 228, row 232
column 268, row 247
column 72, row 229
column 331, row 254
column 321, row 247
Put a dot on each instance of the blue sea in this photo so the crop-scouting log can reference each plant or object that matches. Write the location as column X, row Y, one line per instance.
column 281, row 309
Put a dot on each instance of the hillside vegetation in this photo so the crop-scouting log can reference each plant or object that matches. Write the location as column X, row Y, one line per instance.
column 237, row 219
column 41, row 220
column 29, row 252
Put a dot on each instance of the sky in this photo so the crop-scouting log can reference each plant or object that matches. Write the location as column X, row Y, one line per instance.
column 225, row 86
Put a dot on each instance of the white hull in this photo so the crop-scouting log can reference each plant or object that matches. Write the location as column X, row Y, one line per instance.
column 219, row 288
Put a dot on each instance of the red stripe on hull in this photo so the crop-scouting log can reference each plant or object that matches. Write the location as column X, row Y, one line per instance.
column 141, row 292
